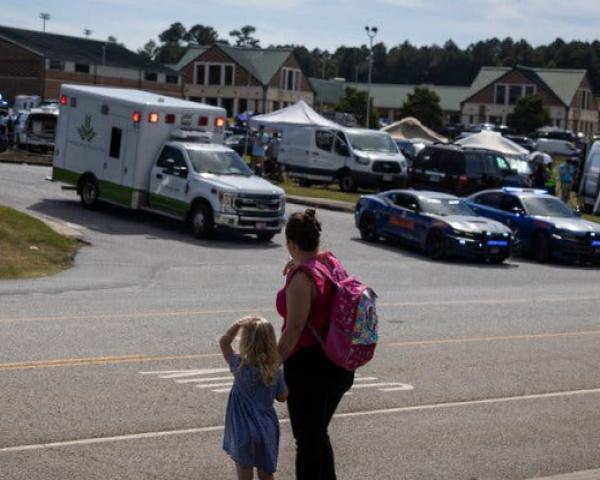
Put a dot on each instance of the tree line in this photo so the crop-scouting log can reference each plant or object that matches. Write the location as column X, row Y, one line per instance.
column 447, row 64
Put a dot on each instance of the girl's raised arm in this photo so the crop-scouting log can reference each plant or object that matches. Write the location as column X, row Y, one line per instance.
column 227, row 339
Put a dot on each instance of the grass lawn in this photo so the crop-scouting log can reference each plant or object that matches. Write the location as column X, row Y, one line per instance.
column 331, row 192
column 29, row 248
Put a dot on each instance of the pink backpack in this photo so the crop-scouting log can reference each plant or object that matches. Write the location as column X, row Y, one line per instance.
column 352, row 333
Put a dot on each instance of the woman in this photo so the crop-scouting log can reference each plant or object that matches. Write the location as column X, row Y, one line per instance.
column 315, row 384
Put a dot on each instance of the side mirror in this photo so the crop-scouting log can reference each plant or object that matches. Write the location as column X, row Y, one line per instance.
column 170, row 166
column 517, row 211
column 181, row 171
column 413, row 206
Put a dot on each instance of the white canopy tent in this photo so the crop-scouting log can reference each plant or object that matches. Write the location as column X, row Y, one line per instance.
column 410, row 128
column 298, row 115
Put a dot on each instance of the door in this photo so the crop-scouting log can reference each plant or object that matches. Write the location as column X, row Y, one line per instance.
column 168, row 182
column 324, row 159
column 402, row 218
column 117, row 150
column 591, row 178
column 488, row 205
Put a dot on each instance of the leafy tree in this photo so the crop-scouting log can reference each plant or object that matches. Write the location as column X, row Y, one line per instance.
column 174, row 35
column 202, row 35
column 244, row 37
column 529, row 114
column 355, row 102
column 423, row 104
column 149, row 50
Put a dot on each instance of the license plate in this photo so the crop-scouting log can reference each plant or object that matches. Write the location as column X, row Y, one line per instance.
column 261, row 226
column 388, row 178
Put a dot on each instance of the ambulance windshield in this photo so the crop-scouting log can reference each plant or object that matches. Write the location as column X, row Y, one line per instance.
column 218, row 162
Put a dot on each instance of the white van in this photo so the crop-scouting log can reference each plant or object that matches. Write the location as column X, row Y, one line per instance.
column 589, row 188
column 150, row 152
column 26, row 102
column 36, row 129
column 354, row 157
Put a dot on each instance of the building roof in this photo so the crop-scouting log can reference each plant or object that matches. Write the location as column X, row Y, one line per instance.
column 76, row 49
column 387, row 95
column 261, row 63
column 562, row 83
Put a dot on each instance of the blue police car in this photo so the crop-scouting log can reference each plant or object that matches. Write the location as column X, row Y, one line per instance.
column 545, row 226
column 440, row 224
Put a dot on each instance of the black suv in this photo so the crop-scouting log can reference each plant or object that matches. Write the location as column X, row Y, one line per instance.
column 462, row 171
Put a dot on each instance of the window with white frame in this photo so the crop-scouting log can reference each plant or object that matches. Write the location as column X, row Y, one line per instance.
column 584, row 96
column 509, row 94
column 290, row 79
column 57, row 65
column 214, row 74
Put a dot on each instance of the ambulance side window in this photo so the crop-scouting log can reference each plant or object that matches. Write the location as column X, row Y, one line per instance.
column 170, row 153
column 115, row 142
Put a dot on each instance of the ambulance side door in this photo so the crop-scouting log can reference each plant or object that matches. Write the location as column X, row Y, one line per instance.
column 168, row 182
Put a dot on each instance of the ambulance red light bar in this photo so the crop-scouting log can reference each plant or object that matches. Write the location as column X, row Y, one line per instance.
column 153, row 117
column 170, row 118
column 203, row 121
column 136, row 117
column 64, row 100
column 219, row 122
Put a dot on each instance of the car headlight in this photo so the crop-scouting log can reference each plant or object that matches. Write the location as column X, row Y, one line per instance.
column 227, row 201
column 462, row 233
column 362, row 160
column 564, row 235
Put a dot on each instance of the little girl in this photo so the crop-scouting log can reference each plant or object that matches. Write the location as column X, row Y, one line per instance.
column 251, row 424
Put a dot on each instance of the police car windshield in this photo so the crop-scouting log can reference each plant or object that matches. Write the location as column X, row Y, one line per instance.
column 445, row 207
column 546, row 207
column 372, row 142
column 219, row 162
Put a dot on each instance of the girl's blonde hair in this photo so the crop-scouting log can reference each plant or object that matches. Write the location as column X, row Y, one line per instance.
column 258, row 347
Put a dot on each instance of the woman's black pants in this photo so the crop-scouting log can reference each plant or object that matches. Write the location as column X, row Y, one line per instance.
column 316, row 386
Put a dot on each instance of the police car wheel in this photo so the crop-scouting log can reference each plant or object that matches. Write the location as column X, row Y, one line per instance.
column 541, row 247
column 497, row 260
column 368, row 227
column 202, row 221
column 89, row 193
column 435, row 245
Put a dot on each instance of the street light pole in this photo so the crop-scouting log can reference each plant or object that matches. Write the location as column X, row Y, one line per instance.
column 45, row 17
column 371, row 32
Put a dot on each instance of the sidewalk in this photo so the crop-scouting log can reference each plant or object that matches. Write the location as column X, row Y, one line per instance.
column 583, row 475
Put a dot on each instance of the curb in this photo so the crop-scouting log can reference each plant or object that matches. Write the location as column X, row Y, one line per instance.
column 583, row 475
column 325, row 204
column 27, row 161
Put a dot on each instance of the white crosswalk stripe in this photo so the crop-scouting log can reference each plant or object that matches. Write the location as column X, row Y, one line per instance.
column 213, row 379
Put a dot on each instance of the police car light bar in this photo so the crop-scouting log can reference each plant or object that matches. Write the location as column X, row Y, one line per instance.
column 523, row 190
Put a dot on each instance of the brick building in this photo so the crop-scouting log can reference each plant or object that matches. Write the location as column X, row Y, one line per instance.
column 567, row 95
column 243, row 79
column 37, row 63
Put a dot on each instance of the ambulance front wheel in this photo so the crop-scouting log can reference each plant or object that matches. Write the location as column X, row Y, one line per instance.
column 89, row 193
column 202, row 221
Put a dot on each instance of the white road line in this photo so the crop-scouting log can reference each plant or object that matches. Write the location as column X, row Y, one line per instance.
column 201, row 371
column 375, row 385
column 221, row 390
column 216, row 428
column 365, row 379
column 215, row 385
column 404, row 388
column 203, row 380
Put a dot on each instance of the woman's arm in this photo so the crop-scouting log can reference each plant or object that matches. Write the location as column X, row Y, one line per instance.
column 298, row 296
column 227, row 339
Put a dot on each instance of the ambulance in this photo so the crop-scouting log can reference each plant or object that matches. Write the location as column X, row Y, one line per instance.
column 160, row 154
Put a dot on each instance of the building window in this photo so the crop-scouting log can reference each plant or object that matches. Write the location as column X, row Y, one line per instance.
column 228, row 75
column 57, row 65
column 200, row 74
column 82, row 68
column 529, row 90
column 290, row 79
column 242, row 105
column 172, row 79
column 212, row 101
column 583, row 95
column 500, row 95
column 150, row 76
column 214, row 75
column 514, row 93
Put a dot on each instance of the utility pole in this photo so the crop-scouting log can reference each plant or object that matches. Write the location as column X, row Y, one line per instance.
column 371, row 32
column 87, row 32
column 45, row 17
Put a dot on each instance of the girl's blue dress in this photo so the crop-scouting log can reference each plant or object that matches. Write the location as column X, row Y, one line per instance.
column 251, row 425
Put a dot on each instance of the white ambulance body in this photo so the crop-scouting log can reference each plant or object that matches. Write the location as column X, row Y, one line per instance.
column 145, row 151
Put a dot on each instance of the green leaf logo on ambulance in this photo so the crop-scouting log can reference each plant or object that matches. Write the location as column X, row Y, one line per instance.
column 86, row 131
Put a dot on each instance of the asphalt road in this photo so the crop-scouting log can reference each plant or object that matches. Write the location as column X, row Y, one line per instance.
column 110, row 369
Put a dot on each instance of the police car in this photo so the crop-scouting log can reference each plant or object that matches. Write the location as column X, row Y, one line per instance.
column 440, row 224
column 546, row 227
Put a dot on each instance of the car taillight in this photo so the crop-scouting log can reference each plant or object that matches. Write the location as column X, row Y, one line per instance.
column 64, row 100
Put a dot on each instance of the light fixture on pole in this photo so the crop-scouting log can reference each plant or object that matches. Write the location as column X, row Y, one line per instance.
column 371, row 32
column 45, row 17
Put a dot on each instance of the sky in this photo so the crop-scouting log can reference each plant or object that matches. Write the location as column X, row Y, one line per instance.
column 324, row 24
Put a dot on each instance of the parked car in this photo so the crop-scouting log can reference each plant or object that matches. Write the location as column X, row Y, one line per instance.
column 555, row 133
column 461, row 171
column 545, row 226
column 36, row 129
column 442, row 225
column 523, row 141
column 557, row 147
column 238, row 143
column 589, row 188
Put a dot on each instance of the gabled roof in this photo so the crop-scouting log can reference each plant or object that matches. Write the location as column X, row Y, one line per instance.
column 261, row 63
column 562, row 83
column 387, row 95
column 76, row 49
